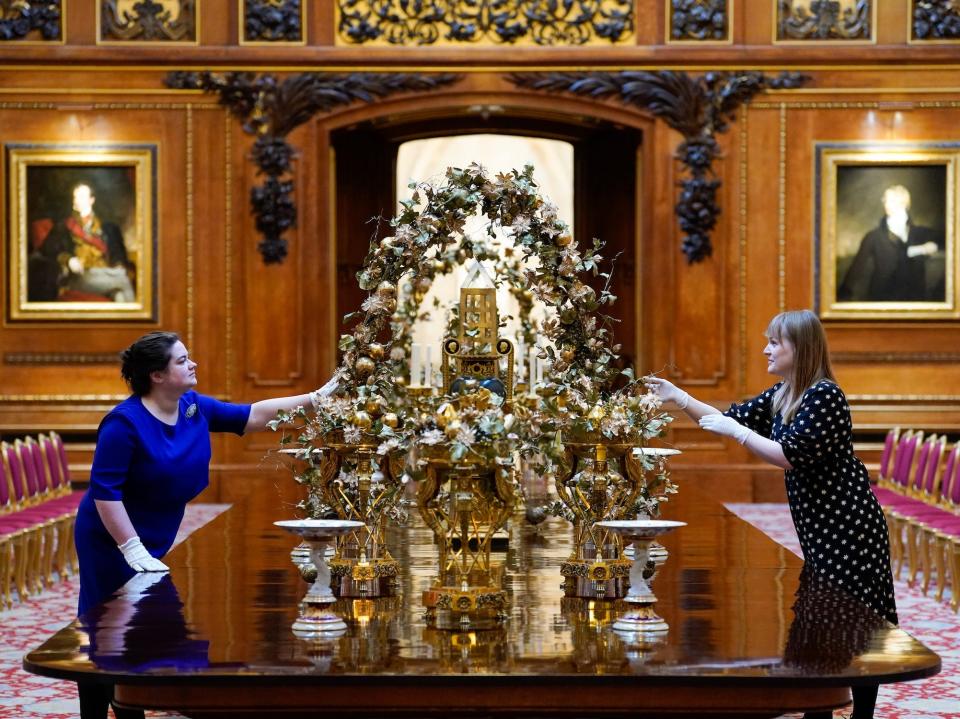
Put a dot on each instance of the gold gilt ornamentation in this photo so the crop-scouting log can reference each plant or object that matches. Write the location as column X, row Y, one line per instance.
column 19, row 20
column 487, row 22
column 148, row 21
column 824, row 20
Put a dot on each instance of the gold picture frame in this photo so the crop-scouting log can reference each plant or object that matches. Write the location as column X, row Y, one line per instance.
column 886, row 230
column 82, row 234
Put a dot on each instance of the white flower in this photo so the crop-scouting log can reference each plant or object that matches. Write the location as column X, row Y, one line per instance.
column 351, row 435
column 650, row 403
column 397, row 354
column 388, row 446
column 466, row 436
column 374, row 303
column 431, row 436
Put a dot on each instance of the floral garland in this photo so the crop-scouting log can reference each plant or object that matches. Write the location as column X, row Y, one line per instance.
column 579, row 402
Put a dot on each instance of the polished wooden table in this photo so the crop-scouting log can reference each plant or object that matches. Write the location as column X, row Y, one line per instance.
column 746, row 637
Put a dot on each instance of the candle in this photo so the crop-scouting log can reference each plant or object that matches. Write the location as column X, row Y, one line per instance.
column 428, row 368
column 518, row 368
column 415, row 371
column 540, row 364
column 531, row 368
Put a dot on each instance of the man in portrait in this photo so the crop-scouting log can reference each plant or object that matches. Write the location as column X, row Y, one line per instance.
column 80, row 258
column 893, row 261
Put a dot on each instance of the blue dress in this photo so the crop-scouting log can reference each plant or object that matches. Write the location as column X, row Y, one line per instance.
column 154, row 469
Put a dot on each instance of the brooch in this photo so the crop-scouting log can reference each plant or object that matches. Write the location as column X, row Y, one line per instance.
column 191, row 410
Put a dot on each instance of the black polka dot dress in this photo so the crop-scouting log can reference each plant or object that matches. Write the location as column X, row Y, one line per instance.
column 840, row 523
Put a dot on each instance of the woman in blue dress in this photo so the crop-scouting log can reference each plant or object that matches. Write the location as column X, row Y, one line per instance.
column 152, row 457
column 802, row 425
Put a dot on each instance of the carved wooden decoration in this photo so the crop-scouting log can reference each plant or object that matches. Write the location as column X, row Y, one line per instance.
column 18, row 19
column 699, row 108
column 699, row 20
column 456, row 22
column 148, row 21
column 824, row 20
column 273, row 21
column 271, row 109
column 936, row 20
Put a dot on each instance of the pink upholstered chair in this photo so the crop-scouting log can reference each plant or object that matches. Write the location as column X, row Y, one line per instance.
column 906, row 453
column 887, row 456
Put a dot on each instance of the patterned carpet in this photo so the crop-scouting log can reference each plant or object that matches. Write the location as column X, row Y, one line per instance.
column 25, row 696
column 929, row 621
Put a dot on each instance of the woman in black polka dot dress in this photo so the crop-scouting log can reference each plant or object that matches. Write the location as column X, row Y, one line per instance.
column 802, row 424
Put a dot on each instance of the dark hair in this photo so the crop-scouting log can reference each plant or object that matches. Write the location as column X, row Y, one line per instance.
column 150, row 353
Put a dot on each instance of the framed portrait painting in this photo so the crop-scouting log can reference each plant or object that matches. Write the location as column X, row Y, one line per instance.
column 886, row 230
column 81, row 236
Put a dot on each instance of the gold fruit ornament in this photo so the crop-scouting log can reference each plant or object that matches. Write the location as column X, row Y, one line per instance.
column 567, row 354
column 364, row 367
column 374, row 406
column 376, row 351
column 387, row 289
column 446, row 413
column 564, row 240
column 391, row 420
column 597, row 413
column 452, row 429
column 362, row 420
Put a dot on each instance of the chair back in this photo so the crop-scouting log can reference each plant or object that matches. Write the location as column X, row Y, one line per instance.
column 931, row 482
column 919, row 472
column 904, row 448
column 950, row 474
column 35, row 455
column 64, row 464
column 15, row 473
column 6, row 489
column 51, row 460
column 30, row 482
column 888, row 454
column 952, row 492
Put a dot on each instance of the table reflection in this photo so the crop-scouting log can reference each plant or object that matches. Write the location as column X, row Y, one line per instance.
column 734, row 602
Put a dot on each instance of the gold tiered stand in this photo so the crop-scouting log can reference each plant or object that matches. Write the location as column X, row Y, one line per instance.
column 362, row 565
column 593, row 491
column 466, row 501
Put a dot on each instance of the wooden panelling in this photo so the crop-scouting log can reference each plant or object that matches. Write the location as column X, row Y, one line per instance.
column 260, row 331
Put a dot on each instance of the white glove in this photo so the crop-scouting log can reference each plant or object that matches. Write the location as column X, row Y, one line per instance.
column 139, row 558
column 328, row 389
column 667, row 391
column 721, row 424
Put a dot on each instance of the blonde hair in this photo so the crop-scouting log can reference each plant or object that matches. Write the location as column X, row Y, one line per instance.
column 811, row 358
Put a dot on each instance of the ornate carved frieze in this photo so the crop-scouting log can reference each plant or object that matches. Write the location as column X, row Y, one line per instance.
column 453, row 22
column 699, row 20
column 19, row 19
column 271, row 109
column 936, row 20
column 273, row 21
column 699, row 108
column 148, row 20
column 824, row 19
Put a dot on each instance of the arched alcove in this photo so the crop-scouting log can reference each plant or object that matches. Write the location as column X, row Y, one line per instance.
column 607, row 199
